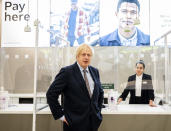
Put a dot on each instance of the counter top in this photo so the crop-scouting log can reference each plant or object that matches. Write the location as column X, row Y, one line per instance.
column 138, row 109
column 21, row 109
column 18, row 109
column 31, row 95
column 119, row 109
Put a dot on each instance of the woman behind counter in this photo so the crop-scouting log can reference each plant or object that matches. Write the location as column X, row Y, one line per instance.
column 139, row 86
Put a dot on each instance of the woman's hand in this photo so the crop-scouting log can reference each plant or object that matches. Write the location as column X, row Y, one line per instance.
column 151, row 103
column 119, row 101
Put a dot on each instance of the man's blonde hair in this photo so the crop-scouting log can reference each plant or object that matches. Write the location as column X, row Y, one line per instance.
column 84, row 47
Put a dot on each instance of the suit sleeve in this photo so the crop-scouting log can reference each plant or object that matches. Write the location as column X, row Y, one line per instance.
column 126, row 90
column 151, row 90
column 101, row 95
column 52, row 95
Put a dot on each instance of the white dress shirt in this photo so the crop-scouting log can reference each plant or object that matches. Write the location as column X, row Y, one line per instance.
column 138, row 85
column 128, row 42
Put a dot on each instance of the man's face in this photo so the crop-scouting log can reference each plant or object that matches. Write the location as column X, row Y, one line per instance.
column 84, row 58
column 127, row 14
column 139, row 69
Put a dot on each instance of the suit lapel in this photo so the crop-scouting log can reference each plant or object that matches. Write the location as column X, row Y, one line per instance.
column 77, row 74
column 143, row 78
column 134, row 80
column 94, row 79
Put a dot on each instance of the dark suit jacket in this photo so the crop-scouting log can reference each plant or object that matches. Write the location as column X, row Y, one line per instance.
column 78, row 105
column 147, row 92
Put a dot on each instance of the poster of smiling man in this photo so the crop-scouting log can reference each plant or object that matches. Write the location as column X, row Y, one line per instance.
column 124, row 23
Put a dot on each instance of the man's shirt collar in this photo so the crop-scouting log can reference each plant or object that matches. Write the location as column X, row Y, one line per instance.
column 81, row 68
column 128, row 42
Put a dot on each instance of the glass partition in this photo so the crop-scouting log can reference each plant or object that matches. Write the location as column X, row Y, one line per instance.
column 115, row 65
column 152, row 57
column 164, row 40
column 169, row 76
column 16, row 88
column 49, row 62
column 17, row 70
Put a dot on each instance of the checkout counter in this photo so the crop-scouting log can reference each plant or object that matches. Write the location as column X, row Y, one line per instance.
column 125, row 117
column 17, row 76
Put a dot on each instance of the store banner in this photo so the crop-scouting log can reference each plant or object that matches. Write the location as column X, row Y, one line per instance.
column 18, row 18
column 15, row 16
column 160, row 22
column 73, row 22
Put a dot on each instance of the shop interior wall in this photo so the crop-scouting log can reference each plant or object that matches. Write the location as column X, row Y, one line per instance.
column 115, row 65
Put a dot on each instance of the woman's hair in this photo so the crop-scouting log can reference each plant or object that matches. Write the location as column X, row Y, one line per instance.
column 140, row 62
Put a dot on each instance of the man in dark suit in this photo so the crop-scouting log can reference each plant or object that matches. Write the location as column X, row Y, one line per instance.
column 83, row 95
column 139, row 86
